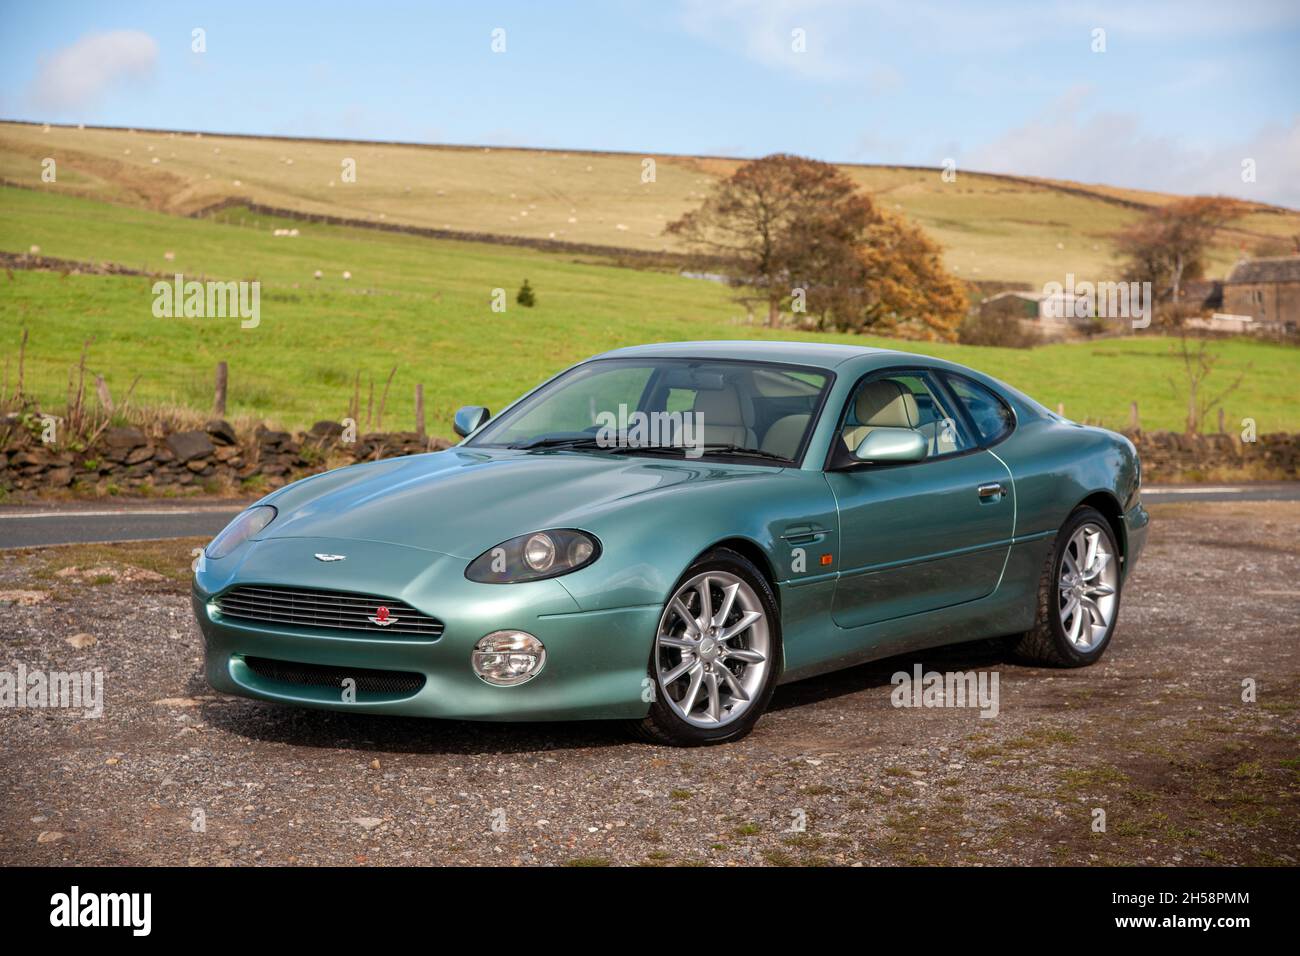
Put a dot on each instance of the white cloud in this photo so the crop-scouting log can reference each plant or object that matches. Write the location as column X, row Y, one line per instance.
column 1113, row 148
column 763, row 30
column 76, row 76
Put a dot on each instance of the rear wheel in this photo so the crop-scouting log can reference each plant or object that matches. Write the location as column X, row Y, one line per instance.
column 716, row 654
column 1078, row 595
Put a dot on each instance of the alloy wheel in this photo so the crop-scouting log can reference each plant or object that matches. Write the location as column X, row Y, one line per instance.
column 713, row 650
column 1088, row 587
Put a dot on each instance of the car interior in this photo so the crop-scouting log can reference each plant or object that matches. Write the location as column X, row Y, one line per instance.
column 902, row 401
column 770, row 409
column 762, row 408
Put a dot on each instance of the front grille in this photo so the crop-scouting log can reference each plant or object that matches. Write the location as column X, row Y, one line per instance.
column 337, row 610
column 369, row 681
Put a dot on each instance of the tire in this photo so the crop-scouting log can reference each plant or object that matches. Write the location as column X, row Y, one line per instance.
column 1056, row 639
column 722, row 707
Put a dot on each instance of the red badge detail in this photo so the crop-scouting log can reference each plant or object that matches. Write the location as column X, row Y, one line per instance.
column 382, row 617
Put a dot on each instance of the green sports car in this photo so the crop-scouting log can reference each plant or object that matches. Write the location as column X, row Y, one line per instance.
column 662, row 534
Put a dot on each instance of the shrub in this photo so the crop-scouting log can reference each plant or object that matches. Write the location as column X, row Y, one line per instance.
column 997, row 327
column 525, row 296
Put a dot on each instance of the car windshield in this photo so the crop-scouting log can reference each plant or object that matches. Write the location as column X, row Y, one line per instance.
column 687, row 408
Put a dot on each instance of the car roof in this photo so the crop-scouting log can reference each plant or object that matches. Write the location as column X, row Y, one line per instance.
column 817, row 354
column 860, row 359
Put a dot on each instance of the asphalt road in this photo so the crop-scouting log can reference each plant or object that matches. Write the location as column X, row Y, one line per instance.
column 68, row 523
column 87, row 523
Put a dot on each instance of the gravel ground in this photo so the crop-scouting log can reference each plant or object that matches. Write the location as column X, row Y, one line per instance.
column 1157, row 736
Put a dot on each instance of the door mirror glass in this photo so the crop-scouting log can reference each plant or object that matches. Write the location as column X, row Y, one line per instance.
column 469, row 418
column 891, row 444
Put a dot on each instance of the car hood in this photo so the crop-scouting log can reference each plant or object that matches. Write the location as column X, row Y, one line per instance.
column 463, row 501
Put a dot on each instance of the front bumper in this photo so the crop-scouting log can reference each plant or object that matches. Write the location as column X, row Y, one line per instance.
column 596, row 661
column 1137, row 522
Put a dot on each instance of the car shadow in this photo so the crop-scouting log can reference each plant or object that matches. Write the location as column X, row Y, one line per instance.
column 378, row 733
column 975, row 655
column 268, row 722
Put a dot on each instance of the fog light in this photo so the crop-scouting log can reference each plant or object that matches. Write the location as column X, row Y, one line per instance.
column 508, row 657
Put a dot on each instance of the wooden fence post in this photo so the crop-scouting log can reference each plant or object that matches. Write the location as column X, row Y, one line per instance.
column 419, row 410
column 219, row 401
column 1134, row 422
column 379, row 418
column 105, row 396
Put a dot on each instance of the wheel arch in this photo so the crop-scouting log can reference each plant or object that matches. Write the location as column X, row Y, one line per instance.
column 754, row 552
column 1109, row 506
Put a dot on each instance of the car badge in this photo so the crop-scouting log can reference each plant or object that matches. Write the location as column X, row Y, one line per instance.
column 382, row 617
column 330, row 557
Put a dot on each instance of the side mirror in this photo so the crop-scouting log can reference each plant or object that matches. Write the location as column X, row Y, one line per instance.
column 892, row 444
column 469, row 418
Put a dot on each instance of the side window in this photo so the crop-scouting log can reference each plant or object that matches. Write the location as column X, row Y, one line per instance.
column 905, row 400
column 992, row 417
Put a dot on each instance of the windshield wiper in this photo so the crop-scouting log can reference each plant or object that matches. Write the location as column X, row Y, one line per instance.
column 709, row 449
column 587, row 442
column 726, row 449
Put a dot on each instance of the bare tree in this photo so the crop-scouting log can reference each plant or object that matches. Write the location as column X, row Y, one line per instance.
column 1198, row 365
column 1167, row 246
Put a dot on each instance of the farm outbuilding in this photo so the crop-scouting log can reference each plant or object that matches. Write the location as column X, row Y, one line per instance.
column 1265, row 290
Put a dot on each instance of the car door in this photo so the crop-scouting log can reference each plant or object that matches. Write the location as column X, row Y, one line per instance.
column 918, row 536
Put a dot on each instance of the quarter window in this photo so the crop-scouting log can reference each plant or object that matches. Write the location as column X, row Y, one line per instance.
column 991, row 416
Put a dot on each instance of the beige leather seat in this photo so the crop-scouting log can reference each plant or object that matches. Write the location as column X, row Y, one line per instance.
column 940, row 440
column 784, row 434
column 728, row 418
column 881, row 404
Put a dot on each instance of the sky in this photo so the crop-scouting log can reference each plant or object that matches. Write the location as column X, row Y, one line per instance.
column 1177, row 95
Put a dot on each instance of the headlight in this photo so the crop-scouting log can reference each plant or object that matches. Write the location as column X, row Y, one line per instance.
column 240, row 530
column 506, row 658
column 530, row 557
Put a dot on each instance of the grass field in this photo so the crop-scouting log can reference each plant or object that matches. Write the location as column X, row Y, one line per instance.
column 991, row 227
column 423, row 306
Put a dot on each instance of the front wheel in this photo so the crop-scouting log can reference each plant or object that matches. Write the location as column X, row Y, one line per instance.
column 716, row 655
column 1078, row 595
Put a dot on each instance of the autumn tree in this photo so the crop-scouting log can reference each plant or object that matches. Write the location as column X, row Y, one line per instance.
column 800, row 233
column 774, row 219
column 905, row 290
column 1168, row 245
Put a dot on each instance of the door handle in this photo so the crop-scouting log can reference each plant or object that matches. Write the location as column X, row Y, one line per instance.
column 993, row 489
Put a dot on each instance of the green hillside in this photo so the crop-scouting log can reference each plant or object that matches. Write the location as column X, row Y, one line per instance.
column 991, row 227
column 423, row 306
